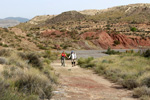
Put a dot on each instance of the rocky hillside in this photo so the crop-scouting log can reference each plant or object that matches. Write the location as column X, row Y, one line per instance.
column 135, row 13
column 90, row 12
column 65, row 17
column 15, row 38
column 35, row 39
column 118, row 27
column 40, row 19
column 121, row 18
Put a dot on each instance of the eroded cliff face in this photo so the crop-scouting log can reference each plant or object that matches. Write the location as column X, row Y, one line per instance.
column 115, row 41
column 97, row 40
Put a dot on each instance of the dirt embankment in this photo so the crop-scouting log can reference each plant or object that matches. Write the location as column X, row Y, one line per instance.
column 116, row 41
column 100, row 39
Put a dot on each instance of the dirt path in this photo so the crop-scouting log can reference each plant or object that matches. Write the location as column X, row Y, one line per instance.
column 81, row 84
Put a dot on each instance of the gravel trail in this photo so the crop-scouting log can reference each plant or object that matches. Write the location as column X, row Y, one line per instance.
column 76, row 83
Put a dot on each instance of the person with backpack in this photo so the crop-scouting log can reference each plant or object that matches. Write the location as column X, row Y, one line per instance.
column 73, row 58
column 63, row 55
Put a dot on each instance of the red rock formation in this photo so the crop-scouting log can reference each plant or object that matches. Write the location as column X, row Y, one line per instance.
column 101, row 39
column 106, row 40
column 50, row 33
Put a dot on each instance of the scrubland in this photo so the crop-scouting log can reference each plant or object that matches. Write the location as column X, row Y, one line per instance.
column 131, row 70
column 26, row 75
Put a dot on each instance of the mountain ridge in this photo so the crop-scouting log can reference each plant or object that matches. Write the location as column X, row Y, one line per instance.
column 20, row 19
column 5, row 23
column 12, row 21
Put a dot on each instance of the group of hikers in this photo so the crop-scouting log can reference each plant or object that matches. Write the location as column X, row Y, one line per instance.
column 72, row 56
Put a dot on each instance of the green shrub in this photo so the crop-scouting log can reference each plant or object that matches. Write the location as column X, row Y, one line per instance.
column 32, row 97
column 145, row 97
column 50, row 55
column 110, row 52
column 29, row 35
column 58, row 36
column 33, row 82
column 29, row 75
column 20, row 48
column 53, row 33
column 88, row 38
column 129, row 83
column 34, row 60
column 145, row 81
column 23, row 55
column 3, row 60
column 47, row 61
column 116, row 42
column 141, row 91
column 146, row 53
column 100, row 69
column 81, row 61
column 7, row 94
column 5, row 45
column 133, row 29
column 29, row 82
column 5, row 52
column 86, row 63
column 41, row 47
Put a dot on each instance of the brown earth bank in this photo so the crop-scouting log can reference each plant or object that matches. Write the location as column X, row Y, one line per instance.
column 67, row 40
column 101, row 39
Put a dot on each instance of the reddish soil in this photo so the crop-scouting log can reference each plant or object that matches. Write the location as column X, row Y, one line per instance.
column 76, row 83
column 101, row 39
column 53, row 33
column 106, row 40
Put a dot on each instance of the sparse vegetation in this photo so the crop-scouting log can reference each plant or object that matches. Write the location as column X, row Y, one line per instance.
column 110, row 52
column 26, row 75
column 128, row 69
column 116, row 42
column 133, row 29
column 146, row 53
column 88, row 38
column 86, row 63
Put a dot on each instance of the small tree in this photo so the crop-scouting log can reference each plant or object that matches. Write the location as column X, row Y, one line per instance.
column 147, row 53
column 133, row 29
column 116, row 42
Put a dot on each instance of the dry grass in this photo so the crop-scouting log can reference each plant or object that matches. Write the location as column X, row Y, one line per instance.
column 24, row 76
column 129, row 70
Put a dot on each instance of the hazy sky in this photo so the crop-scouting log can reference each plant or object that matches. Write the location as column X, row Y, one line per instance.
column 31, row 8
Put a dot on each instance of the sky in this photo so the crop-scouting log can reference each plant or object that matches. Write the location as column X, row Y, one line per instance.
column 32, row 8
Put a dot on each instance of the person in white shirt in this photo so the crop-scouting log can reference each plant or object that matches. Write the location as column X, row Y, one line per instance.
column 73, row 58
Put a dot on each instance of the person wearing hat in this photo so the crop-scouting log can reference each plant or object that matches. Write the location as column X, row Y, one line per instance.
column 73, row 58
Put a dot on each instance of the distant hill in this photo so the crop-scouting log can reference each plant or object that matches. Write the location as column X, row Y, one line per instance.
column 120, row 19
column 12, row 21
column 66, row 16
column 90, row 12
column 133, row 13
column 20, row 19
column 40, row 19
column 8, row 23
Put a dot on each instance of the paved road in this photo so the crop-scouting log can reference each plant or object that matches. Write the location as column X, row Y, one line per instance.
column 94, row 53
